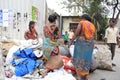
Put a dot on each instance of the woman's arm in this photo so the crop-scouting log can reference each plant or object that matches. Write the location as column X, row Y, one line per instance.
column 36, row 34
column 25, row 36
column 76, row 33
column 58, row 33
column 106, row 34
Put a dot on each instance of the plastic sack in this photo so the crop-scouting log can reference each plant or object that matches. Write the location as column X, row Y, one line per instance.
column 71, row 49
column 25, row 53
column 64, row 51
column 10, row 54
column 54, row 62
column 31, row 43
column 60, row 74
column 103, row 57
column 67, row 63
column 24, row 66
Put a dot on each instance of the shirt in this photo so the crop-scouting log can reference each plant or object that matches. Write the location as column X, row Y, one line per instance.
column 66, row 37
column 31, row 35
column 71, row 34
column 111, row 34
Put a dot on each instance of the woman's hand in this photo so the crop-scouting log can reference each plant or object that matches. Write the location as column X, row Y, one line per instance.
column 69, row 44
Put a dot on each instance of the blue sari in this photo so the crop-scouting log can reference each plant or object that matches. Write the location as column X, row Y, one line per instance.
column 83, row 56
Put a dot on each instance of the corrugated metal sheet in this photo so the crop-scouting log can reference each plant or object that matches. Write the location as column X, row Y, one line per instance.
column 23, row 6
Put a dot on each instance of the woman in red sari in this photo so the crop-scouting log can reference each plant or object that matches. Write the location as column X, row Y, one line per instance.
column 50, row 46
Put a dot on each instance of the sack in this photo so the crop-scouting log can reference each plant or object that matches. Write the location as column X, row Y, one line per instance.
column 64, row 51
column 103, row 57
column 25, row 66
column 25, row 53
column 54, row 62
column 68, row 64
column 5, row 46
column 10, row 54
column 71, row 49
column 94, row 65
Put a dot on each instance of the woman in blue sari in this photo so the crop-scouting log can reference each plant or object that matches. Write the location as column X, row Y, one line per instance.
column 84, row 45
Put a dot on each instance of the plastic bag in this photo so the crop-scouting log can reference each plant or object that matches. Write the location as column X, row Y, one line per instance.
column 54, row 62
column 103, row 57
column 10, row 54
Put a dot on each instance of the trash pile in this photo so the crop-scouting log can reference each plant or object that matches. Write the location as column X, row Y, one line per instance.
column 24, row 60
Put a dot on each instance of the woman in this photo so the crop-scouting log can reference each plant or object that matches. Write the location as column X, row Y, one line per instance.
column 51, row 35
column 71, row 33
column 31, row 33
column 84, row 44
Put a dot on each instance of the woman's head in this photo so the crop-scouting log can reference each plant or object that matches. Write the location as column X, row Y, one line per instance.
column 52, row 18
column 86, row 17
column 31, row 25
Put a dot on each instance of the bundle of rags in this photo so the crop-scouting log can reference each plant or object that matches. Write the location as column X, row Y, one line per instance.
column 6, row 45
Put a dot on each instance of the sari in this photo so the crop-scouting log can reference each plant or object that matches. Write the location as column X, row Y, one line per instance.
column 50, row 45
column 83, row 51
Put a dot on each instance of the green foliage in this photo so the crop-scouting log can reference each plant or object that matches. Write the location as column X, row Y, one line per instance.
column 94, row 9
column 100, row 22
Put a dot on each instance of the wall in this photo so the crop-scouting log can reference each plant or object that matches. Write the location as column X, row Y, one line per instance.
column 23, row 6
column 66, row 23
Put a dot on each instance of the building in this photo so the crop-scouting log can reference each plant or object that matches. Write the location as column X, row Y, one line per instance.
column 69, row 22
column 16, row 15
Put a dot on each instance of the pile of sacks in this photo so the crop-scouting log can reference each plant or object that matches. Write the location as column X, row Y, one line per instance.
column 25, row 60
column 101, row 57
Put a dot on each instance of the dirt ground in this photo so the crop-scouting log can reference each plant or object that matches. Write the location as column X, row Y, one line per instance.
column 108, row 75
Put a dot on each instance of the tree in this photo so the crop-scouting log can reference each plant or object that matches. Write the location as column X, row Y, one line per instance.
column 97, row 9
column 93, row 8
column 115, row 4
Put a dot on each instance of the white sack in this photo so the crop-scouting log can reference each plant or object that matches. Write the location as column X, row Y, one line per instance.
column 10, row 54
column 103, row 57
column 60, row 74
column 71, row 50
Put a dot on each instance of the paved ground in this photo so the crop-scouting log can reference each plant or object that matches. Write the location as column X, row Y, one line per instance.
column 108, row 75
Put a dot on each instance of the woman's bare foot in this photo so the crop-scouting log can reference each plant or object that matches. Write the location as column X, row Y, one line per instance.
column 43, row 73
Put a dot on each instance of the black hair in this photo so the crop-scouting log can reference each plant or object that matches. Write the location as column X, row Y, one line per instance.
column 52, row 18
column 87, row 17
column 31, row 23
column 113, row 20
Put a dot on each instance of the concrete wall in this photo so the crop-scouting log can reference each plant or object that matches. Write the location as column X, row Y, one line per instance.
column 66, row 24
column 23, row 6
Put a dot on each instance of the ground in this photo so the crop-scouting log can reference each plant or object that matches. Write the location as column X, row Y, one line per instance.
column 108, row 75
